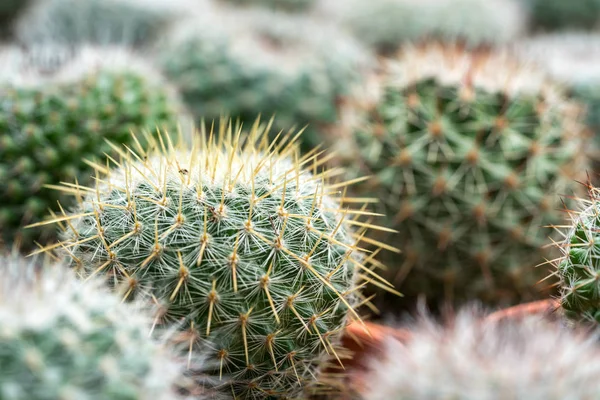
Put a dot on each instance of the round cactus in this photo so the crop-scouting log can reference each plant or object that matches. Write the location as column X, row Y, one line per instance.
column 466, row 152
column 470, row 359
column 244, row 63
column 100, row 22
column 558, row 14
column 50, row 124
column 387, row 24
column 60, row 339
column 236, row 238
column 579, row 267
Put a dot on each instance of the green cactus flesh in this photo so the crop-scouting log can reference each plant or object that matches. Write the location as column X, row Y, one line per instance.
column 237, row 240
column 291, row 5
column 468, row 176
column 559, row 14
column 48, row 131
column 580, row 267
column 60, row 339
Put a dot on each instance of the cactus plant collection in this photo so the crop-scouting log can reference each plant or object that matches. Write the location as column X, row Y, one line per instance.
column 225, row 191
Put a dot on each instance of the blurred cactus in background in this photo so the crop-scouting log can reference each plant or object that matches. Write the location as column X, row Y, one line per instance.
column 387, row 24
column 61, row 339
column 131, row 23
column 471, row 359
column 550, row 15
column 242, row 240
column 244, row 63
column 51, row 122
column 9, row 11
column 467, row 153
column 287, row 5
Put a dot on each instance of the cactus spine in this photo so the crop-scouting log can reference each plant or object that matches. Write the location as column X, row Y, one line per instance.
column 236, row 237
column 61, row 339
column 465, row 149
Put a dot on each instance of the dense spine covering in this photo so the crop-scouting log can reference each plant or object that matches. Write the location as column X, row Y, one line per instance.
column 247, row 62
column 237, row 238
column 466, row 152
column 579, row 267
column 388, row 24
column 471, row 359
column 61, row 339
column 51, row 125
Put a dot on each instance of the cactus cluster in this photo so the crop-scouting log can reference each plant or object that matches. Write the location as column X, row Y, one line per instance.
column 579, row 267
column 132, row 23
column 387, row 24
column 237, row 238
column 470, row 359
column 246, row 63
column 51, row 124
column 558, row 14
column 467, row 151
column 61, row 339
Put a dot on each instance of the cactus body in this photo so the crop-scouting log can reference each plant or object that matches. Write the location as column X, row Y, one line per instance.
column 470, row 359
column 466, row 151
column 64, row 340
column 50, row 125
column 236, row 239
column 580, row 265
column 288, row 5
column 245, row 63
column 388, row 24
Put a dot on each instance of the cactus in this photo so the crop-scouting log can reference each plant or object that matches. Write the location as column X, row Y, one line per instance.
column 559, row 14
column 251, row 62
column 237, row 238
column 49, row 124
column 387, row 24
column 288, row 5
column 61, row 339
column 9, row 11
column 467, row 150
column 470, row 359
column 579, row 267
column 133, row 23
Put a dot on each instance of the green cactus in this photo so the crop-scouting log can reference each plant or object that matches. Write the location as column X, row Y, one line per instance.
column 250, row 62
column 238, row 239
column 288, row 5
column 9, row 11
column 580, row 265
column 61, row 339
column 468, row 358
column 387, row 24
column 559, row 14
column 50, row 124
column 466, row 152
column 100, row 22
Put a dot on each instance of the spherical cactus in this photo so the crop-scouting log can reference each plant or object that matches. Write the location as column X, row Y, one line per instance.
column 237, row 238
column 51, row 124
column 60, row 339
column 250, row 62
column 467, row 151
column 579, row 267
column 470, row 359
column 100, row 22
column 558, row 14
column 387, row 24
